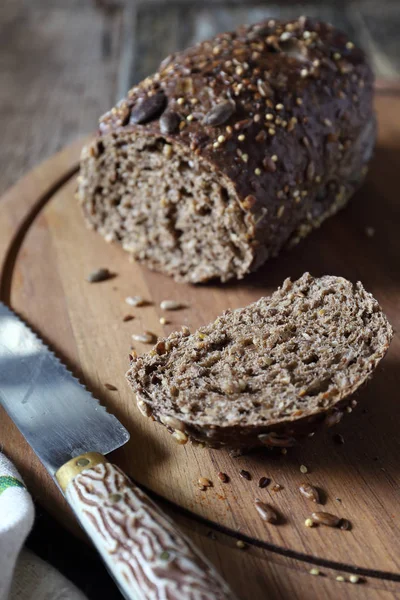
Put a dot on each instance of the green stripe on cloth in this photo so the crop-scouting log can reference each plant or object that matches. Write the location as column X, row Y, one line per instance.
column 6, row 481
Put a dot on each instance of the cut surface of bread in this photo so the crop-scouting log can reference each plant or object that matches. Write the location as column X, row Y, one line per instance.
column 261, row 374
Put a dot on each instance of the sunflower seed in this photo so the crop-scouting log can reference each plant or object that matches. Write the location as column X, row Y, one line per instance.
column 172, row 422
column 170, row 305
column 128, row 318
column 169, row 122
column 146, row 338
column 111, row 387
column 309, row 492
column 99, row 275
column 148, row 108
column 180, row 437
column 264, row 482
column 144, row 408
column 266, row 512
column 135, row 301
column 219, row 113
column 324, row 518
column 264, row 88
column 345, row 524
column 204, row 482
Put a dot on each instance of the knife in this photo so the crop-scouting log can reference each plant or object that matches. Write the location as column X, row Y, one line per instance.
column 149, row 558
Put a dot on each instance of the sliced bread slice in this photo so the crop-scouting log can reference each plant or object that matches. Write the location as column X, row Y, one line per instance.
column 267, row 373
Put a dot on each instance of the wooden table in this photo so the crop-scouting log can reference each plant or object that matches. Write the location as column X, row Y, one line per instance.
column 64, row 64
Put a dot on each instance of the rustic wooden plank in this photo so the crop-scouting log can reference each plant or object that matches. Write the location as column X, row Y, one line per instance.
column 62, row 64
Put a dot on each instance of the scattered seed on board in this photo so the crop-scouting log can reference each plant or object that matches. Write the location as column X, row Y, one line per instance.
column 303, row 469
column 245, row 474
column 163, row 321
column 309, row 491
column 314, row 571
column 146, row 338
column 345, row 524
column 338, row 438
column 170, row 305
column 110, row 387
column 309, row 523
column 204, row 482
column 99, row 275
column 264, row 482
column 354, row 579
column 241, row 545
column 340, row 578
column 324, row 518
column 277, row 487
column 135, row 301
column 128, row 318
column 223, row 477
column 266, row 512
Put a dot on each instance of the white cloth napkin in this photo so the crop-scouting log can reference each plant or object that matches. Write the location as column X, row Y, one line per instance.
column 24, row 576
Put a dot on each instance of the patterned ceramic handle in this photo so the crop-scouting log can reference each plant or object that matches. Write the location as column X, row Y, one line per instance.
column 147, row 555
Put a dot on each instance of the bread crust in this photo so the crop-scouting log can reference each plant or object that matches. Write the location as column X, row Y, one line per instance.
column 310, row 347
column 281, row 112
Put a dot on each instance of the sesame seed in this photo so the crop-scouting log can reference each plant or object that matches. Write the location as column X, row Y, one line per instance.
column 163, row 321
column 280, row 212
column 316, row 62
column 328, row 122
column 229, row 129
column 303, row 469
column 193, row 101
column 304, row 193
column 318, row 179
column 278, row 121
column 306, row 35
column 257, row 171
column 271, row 131
column 285, row 36
column 274, row 157
column 241, row 137
column 240, row 544
column 314, row 571
column 182, row 125
column 180, row 101
column 303, row 73
column 269, row 116
column 279, row 106
column 349, row 409
column 337, row 56
column 284, row 123
column 256, row 118
column 349, row 45
column 296, row 193
column 221, row 139
column 189, row 118
column 245, row 157
column 309, row 523
column 239, row 70
column 215, row 145
column 340, row 578
column 354, row 579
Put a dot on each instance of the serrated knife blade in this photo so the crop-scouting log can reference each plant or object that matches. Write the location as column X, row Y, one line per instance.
column 70, row 432
column 58, row 417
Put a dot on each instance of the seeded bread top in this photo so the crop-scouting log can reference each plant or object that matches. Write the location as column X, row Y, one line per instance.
column 297, row 353
column 280, row 108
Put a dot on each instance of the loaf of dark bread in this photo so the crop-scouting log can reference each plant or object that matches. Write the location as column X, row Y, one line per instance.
column 267, row 373
column 233, row 149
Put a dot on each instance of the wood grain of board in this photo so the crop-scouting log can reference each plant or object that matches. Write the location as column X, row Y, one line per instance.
column 47, row 253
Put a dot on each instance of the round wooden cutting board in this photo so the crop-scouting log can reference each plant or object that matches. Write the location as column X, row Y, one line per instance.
column 47, row 253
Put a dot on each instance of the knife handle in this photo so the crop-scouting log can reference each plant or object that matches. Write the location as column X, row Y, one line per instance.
column 149, row 558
